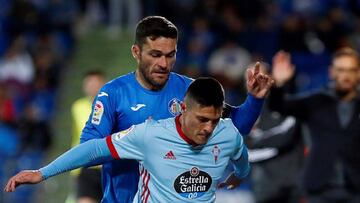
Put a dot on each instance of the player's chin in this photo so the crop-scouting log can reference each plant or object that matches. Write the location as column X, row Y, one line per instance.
column 201, row 139
column 161, row 80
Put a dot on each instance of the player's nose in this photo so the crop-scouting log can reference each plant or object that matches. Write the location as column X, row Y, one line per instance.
column 209, row 128
column 162, row 62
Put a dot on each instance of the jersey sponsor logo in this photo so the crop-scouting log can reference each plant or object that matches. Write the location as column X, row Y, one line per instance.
column 103, row 94
column 137, row 107
column 123, row 133
column 216, row 152
column 97, row 113
column 170, row 155
column 174, row 106
column 193, row 183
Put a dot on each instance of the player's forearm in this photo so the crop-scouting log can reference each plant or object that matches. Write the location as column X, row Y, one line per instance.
column 245, row 116
column 90, row 153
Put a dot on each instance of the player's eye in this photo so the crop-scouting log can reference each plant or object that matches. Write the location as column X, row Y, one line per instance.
column 156, row 55
column 203, row 120
column 172, row 54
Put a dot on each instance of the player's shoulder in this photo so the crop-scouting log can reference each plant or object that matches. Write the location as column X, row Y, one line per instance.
column 120, row 81
column 228, row 125
column 178, row 79
column 156, row 128
column 226, row 122
column 160, row 123
column 232, row 136
column 116, row 85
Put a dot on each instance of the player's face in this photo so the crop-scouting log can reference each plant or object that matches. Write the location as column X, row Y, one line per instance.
column 199, row 122
column 156, row 59
column 345, row 72
column 92, row 85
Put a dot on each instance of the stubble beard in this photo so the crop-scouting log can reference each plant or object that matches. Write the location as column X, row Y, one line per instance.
column 146, row 75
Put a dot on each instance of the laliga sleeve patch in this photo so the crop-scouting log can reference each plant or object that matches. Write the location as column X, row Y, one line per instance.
column 193, row 183
column 123, row 133
column 97, row 113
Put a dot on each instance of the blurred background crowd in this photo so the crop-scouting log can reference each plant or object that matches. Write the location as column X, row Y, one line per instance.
column 40, row 40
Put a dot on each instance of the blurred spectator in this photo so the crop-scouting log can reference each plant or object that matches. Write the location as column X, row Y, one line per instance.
column 9, row 139
column 88, row 182
column 43, row 30
column 229, row 60
column 46, row 67
column 7, row 106
column 228, row 65
column 333, row 29
column 332, row 170
column 292, row 34
column 274, row 143
column 17, row 64
column 233, row 25
column 201, row 40
column 35, row 122
column 130, row 10
column 62, row 14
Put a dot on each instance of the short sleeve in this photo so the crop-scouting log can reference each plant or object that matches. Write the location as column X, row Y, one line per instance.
column 102, row 117
column 129, row 143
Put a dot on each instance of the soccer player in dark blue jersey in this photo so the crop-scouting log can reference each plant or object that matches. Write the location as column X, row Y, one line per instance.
column 153, row 91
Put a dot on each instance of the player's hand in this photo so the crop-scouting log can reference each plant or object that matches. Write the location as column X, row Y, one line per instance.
column 24, row 177
column 231, row 182
column 258, row 83
column 282, row 68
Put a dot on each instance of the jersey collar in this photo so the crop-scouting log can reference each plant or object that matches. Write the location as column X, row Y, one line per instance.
column 181, row 133
column 138, row 85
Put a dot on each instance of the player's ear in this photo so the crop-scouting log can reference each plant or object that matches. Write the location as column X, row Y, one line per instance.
column 135, row 51
column 183, row 106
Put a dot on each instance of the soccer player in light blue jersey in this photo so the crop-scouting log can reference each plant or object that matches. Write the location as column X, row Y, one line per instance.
column 152, row 91
column 181, row 159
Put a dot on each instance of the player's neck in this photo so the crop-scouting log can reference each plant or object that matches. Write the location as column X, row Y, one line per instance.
column 144, row 83
column 184, row 130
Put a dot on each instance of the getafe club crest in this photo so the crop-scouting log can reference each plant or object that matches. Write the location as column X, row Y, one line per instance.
column 174, row 106
column 215, row 151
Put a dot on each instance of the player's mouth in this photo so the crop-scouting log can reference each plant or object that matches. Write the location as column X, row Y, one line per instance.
column 204, row 136
column 161, row 74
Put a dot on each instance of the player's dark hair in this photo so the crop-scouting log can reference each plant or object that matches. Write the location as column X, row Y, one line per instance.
column 154, row 27
column 206, row 91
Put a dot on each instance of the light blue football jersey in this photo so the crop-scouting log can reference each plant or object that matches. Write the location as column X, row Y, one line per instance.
column 171, row 168
column 120, row 104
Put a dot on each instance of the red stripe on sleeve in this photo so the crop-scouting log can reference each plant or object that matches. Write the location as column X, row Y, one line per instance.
column 111, row 146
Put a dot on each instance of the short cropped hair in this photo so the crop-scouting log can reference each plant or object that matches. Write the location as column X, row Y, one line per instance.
column 154, row 27
column 206, row 91
column 347, row 51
